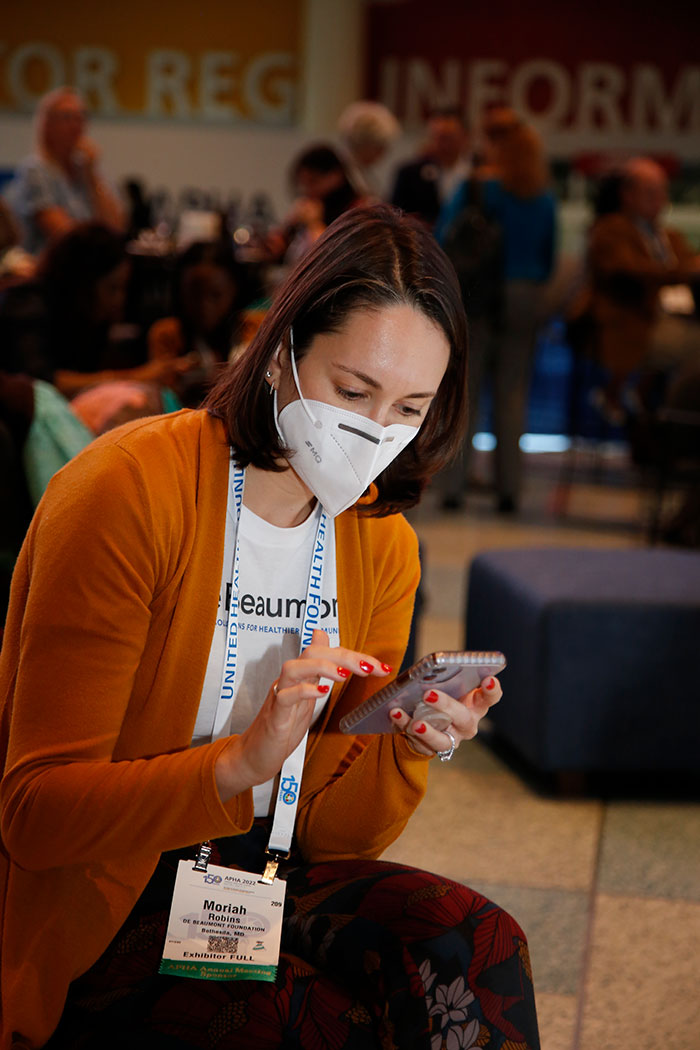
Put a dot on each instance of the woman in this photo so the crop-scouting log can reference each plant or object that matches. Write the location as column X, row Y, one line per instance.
column 64, row 327
column 61, row 183
column 323, row 190
column 210, row 290
column 141, row 755
column 514, row 194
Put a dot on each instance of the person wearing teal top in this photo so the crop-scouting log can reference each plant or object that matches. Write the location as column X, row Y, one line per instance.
column 515, row 195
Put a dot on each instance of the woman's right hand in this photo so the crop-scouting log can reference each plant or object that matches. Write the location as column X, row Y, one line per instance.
column 259, row 752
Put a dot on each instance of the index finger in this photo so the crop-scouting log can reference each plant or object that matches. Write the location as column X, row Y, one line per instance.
column 357, row 663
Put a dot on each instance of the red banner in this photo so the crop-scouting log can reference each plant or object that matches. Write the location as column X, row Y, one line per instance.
column 625, row 79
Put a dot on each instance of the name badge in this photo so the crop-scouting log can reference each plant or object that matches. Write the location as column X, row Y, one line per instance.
column 224, row 925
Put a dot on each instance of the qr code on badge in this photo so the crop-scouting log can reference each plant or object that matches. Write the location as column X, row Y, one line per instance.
column 222, row 943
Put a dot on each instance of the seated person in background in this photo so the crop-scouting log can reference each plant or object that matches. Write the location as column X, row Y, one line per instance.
column 61, row 184
column 682, row 405
column 62, row 326
column 210, row 289
column 15, row 263
column 633, row 259
column 16, row 413
column 138, row 208
column 423, row 185
column 323, row 190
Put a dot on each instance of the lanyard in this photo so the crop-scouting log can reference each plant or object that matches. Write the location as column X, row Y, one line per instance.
column 287, row 799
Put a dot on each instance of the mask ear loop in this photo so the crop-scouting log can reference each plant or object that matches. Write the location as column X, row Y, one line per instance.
column 275, row 417
column 316, row 422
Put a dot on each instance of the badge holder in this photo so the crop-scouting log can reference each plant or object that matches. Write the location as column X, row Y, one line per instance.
column 271, row 865
column 268, row 876
column 226, row 924
column 203, row 855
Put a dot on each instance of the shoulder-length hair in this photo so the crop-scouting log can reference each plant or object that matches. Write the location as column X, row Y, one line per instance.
column 370, row 258
column 524, row 169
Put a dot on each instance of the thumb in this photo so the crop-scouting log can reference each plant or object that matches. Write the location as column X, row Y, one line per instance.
column 320, row 637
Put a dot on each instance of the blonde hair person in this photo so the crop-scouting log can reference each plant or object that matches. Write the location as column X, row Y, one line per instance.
column 61, row 184
column 367, row 130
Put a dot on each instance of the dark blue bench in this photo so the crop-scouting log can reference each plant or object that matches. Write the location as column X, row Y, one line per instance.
column 603, row 650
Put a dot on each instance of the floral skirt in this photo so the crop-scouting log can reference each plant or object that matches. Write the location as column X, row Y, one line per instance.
column 374, row 954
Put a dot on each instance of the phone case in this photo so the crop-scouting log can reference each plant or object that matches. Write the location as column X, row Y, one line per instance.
column 452, row 672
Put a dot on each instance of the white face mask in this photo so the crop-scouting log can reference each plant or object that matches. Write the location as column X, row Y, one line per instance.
column 337, row 453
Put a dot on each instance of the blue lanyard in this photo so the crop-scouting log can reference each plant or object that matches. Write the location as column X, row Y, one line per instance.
column 290, row 777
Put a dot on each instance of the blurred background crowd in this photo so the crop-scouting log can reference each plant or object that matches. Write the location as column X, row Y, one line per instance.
column 118, row 299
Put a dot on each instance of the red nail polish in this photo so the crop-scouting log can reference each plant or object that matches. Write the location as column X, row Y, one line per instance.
column 367, row 668
column 323, row 688
column 490, row 683
column 420, row 728
column 387, row 668
column 431, row 697
column 396, row 714
column 343, row 672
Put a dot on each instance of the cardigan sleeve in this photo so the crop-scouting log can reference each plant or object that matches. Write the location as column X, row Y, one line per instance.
column 358, row 792
column 94, row 563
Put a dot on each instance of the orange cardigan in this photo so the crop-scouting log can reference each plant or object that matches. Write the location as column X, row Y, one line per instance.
column 111, row 615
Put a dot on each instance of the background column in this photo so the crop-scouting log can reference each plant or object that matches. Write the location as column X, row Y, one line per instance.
column 332, row 59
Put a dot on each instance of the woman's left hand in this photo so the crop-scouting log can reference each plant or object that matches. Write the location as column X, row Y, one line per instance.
column 464, row 714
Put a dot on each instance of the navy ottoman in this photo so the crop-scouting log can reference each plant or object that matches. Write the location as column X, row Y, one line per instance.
column 603, row 650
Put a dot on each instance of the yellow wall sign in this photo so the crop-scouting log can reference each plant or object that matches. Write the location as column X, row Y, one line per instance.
column 227, row 61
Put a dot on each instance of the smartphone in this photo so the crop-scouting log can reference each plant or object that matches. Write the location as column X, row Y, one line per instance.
column 452, row 672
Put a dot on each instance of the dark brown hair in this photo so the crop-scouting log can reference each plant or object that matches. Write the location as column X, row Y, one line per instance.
column 369, row 258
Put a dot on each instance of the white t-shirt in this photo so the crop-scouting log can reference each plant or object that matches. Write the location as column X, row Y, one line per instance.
column 273, row 580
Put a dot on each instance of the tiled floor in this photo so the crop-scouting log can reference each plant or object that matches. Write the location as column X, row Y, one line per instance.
column 608, row 892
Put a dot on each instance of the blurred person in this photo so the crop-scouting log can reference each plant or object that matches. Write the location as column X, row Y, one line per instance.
column 577, row 306
column 642, row 308
column 607, row 195
column 139, row 208
column 424, row 185
column 61, row 183
column 210, row 292
column 680, row 410
column 367, row 130
column 64, row 327
column 497, row 123
column 323, row 190
column 16, row 413
column 516, row 196
column 15, row 263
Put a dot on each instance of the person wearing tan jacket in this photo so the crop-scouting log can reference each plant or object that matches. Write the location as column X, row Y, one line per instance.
column 633, row 258
column 140, row 568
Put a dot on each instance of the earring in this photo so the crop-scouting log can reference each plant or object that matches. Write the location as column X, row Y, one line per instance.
column 268, row 374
